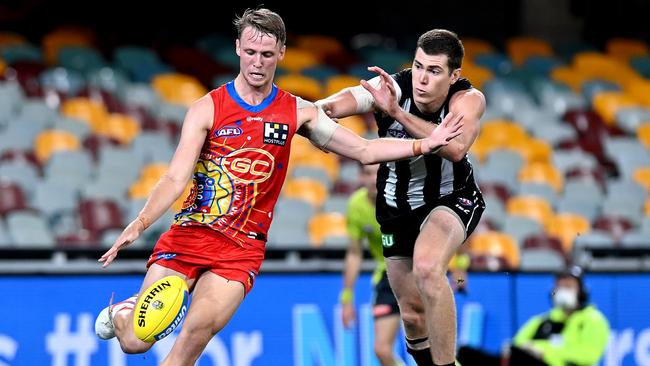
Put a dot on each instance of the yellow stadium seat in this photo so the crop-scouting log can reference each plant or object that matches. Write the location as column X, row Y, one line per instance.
column 355, row 123
column 153, row 171
column 51, row 141
column 474, row 47
column 120, row 127
column 326, row 224
column 606, row 104
column 496, row 244
column 597, row 65
column 532, row 150
column 567, row 227
column 3, row 67
column 476, row 74
column 647, row 207
column 535, row 208
column 178, row 88
column 297, row 59
column 521, row 48
column 306, row 189
column 502, row 132
column 643, row 133
column 339, row 82
column 320, row 45
column 570, row 76
column 640, row 91
column 87, row 110
column 625, row 49
column 642, row 176
column 300, row 85
column 542, row 173
column 56, row 40
column 11, row 39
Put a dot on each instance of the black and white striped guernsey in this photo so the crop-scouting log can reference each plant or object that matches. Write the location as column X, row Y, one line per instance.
column 408, row 184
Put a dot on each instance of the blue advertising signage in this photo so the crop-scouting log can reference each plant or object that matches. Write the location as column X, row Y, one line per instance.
column 294, row 319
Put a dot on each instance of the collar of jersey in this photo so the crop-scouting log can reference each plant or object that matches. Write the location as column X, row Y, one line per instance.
column 251, row 108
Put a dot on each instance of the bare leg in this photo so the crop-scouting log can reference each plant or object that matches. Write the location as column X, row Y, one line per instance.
column 123, row 321
column 214, row 301
column 386, row 329
column 439, row 238
column 402, row 281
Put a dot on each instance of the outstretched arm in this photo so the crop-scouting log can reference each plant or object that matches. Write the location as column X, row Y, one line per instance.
column 468, row 103
column 320, row 129
column 198, row 122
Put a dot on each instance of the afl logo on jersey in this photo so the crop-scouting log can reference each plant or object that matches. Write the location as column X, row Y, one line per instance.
column 249, row 165
column 229, row 131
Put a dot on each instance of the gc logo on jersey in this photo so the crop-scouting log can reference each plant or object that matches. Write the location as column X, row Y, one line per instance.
column 248, row 165
column 276, row 133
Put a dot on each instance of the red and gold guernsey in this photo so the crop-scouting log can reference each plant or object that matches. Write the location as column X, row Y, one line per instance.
column 242, row 166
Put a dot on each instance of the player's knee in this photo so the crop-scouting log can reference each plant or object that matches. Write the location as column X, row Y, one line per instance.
column 429, row 273
column 413, row 320
column 383, row 350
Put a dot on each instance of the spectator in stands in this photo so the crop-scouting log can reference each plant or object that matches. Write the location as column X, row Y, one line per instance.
column 573, row 332
column 235, row 145
column 427, row 206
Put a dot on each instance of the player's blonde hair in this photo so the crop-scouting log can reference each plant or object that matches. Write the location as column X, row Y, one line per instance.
column 263, row 20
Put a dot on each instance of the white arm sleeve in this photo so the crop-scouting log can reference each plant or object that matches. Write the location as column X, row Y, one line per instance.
column 363, row 97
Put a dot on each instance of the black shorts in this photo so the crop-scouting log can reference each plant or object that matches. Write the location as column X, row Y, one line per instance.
column 398, row 237
column 384, row 302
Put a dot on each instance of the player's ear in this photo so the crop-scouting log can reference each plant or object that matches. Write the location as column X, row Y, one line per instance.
column 237, row 47
column 281, row 53
column 455, row 75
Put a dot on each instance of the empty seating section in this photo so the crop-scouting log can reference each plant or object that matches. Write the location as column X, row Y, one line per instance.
column 563, row 155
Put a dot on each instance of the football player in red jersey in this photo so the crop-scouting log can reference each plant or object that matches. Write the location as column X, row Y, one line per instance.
column 235, row 146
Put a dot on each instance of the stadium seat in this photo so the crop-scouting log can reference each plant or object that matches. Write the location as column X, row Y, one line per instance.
column 120, row 127
column 99, row 215
column 52, row 205
column 51, row 141
column 606, row 104
column 567, row 227
column 474, row 47
column 87, row 110
column 354, row 123
column 320, row 45
column 37, row 236
column 542, row 190
column 309, row 190
column 520, row 228
column 541, row 259
column 73, row 168
column 521, row 48
column 300, row 85
column 476, row 74
column 314, row 172
column 624, row 49
column 178, row 88
column 80, row 59
column 614, row 225
column 497, row 245
column 532, row 207
column 337, row 83
column 643, row 134
column 542, row 173
column 54, row 41
column 569, row 76
column 297, row 59
column 12, row 197
column 12, row 54
column 326, row 225
column 488, row 263
column 642, row 177
column 646, row 207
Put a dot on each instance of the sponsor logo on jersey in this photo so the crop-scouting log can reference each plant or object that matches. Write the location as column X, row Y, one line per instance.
column 229, row 131
column 397, row 133
column 276, row 133
column 387, row 240
column 166, row 256
column 248, row 165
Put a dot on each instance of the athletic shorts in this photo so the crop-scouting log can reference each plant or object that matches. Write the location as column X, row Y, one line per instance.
column 193, row 250
column 384, row 302
column 398, row 237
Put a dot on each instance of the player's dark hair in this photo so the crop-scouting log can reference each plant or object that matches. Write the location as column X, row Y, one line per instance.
column 264, row 21
column 443, row 42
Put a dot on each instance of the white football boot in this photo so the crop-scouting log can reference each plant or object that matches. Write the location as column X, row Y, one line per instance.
column 104, row 327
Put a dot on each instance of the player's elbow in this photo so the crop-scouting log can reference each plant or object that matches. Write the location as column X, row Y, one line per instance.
column 455, row 153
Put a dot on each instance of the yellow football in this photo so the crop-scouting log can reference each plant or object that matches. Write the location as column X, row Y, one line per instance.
column 160, row 309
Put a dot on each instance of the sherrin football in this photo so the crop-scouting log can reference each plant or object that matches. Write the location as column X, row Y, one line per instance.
column 160, row 309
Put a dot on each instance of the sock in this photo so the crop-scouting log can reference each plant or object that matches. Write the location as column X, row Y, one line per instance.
column 420, row 350
column 127, row 304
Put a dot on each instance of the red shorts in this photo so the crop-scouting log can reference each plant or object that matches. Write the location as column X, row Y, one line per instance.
column 193, row 250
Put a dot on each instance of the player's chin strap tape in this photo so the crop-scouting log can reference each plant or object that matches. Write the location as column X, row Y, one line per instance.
column 322, row 131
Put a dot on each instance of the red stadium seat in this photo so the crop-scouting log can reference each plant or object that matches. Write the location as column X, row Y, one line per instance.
column 99, row 215
column 11, row 197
